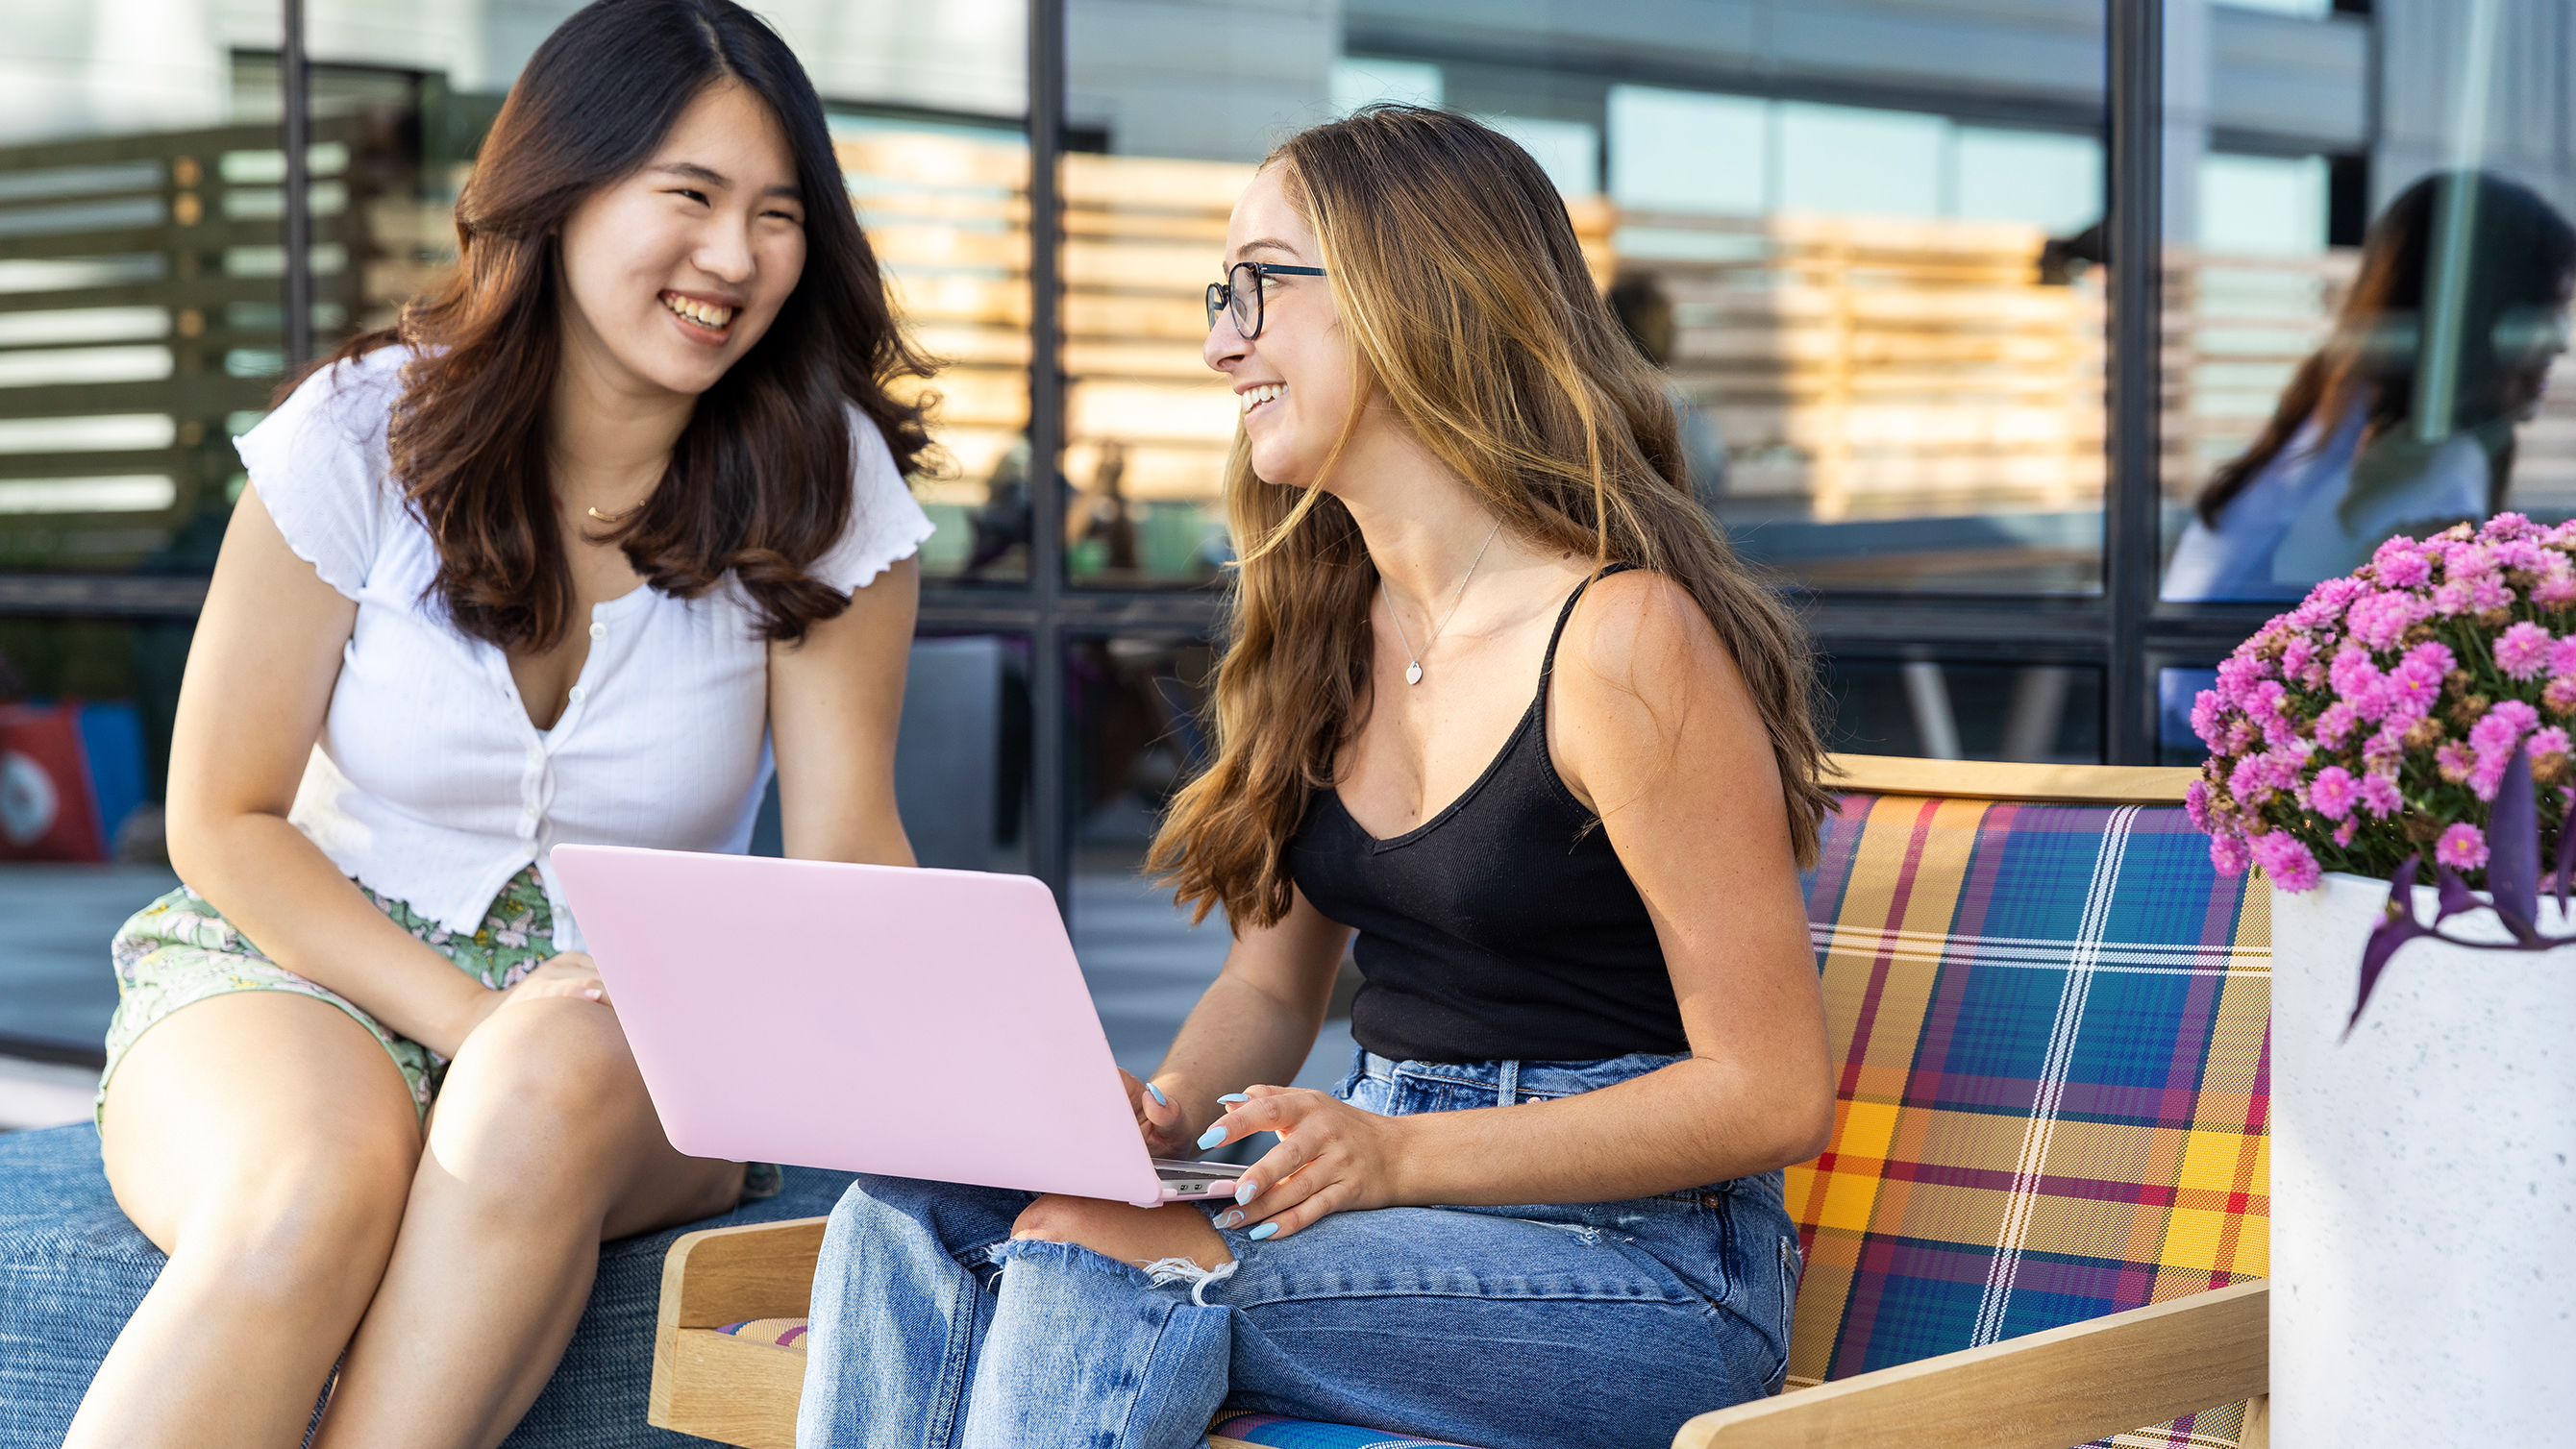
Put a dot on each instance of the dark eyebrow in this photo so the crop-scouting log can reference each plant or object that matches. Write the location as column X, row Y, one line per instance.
column 692, row 171
column 1271, row 243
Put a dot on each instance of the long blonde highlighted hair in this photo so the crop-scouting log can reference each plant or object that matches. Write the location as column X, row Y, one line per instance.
column 1464, row 299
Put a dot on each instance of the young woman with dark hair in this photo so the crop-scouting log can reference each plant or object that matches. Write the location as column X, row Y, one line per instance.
column 603, row 526
column 1499, row 698
column 2343, row 463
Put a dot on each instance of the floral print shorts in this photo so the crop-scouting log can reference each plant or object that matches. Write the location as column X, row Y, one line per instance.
column 180, row 950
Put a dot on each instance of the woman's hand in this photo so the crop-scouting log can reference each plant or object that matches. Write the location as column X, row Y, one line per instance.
column 1164, row 1126
column 572, row 975
column 1331, row 1158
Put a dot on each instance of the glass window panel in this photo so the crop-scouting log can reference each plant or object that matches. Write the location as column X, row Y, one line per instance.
column 1908, row 406
column 2327, row 387
column 1948, row 710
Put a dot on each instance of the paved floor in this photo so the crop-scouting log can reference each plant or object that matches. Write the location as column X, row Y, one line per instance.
column 1145, row 963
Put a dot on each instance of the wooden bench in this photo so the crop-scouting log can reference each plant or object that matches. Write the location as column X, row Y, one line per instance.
column 2043, row 1216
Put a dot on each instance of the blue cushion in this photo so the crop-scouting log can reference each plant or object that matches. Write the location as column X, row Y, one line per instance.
column 72, row 1269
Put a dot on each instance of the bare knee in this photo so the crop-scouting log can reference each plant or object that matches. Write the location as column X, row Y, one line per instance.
column 1119, row 1230
column 544, row 1094
column 316, row 1219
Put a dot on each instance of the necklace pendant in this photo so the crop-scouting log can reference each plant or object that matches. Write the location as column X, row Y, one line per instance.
column 1413, row 672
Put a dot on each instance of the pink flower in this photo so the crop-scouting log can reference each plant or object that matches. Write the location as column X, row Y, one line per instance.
column 2332, row 792
column 2508, row 525
column 2387, row 744
column 2401, row 565
column 2380, row 795
column 2486, row 777
column 2298, row 654
column 2468, row 561
column 2523, row 650
column 2434, row 655
column 2557, row 587
column 2239, row 672
column 2560, row 696
column 2228, row 854
column 2519, row 553
column 2204, row 717
column 2343, row 832
column 2550, row 741
column 2412, row 691
column 2380, row 620
column 2490, row 592
column 2562, row 658
column 2505, row 725
column 2286, row 861
column 2195, row 803
column 2462, row 847
column 2454, row 761
column 2351, row 669
column 2251, row 780
column 2334, row 724
column 2452, row 598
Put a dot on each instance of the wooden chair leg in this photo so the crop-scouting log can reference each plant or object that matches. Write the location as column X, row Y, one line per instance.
column 2258, row 1423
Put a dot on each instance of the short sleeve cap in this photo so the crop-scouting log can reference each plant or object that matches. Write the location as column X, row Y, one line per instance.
column 886, row 522
column 319, row 464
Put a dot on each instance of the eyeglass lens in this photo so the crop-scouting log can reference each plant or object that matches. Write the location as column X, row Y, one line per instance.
column 1240, row 297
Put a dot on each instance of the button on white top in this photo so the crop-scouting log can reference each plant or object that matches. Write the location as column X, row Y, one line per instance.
column 528, row 810
column 599, row 631
column 576, row 689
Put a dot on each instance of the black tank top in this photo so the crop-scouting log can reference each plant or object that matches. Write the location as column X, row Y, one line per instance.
column 1502, row 927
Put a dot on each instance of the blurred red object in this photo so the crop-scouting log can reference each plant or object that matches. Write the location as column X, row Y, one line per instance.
column 46, row 812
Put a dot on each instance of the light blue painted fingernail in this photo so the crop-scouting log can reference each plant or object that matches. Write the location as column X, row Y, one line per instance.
column 1211, row 1137
column 1263, row 1231
column 1234, row 1097
column 1229, row 1217
column 1159, row 1099
column 1244, row 1190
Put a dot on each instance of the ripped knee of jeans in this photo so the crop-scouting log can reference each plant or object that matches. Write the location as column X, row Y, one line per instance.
column 1187, row 1270
column 1002, row 1256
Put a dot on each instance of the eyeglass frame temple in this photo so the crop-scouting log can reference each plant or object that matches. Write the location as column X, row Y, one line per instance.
column 1258, row 310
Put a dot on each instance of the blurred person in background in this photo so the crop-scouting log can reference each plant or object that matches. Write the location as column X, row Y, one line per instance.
column 2344, row 463
column 1645, row 313
column 610, row 520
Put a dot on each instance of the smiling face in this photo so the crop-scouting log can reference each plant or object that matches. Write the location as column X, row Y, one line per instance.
column 1295, row 380
column 673, row 273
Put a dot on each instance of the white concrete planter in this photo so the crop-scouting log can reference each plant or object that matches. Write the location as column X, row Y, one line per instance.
column 2423, row 1183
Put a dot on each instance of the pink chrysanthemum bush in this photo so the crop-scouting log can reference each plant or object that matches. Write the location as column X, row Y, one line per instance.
column 2377, row 720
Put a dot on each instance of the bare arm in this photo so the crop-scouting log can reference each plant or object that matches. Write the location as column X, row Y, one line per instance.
column 258, row 683
column 1256, row 1023
column 834, row 703
column 1653, row 726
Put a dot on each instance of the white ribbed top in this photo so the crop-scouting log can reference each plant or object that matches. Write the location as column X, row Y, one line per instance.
column 428, row 783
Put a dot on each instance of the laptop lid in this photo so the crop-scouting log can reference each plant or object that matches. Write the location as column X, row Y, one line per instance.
column 917, row 1023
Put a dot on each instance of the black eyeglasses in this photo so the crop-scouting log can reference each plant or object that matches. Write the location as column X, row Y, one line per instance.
column 1239, row 296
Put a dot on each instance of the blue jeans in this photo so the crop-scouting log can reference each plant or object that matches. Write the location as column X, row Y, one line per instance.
column 1504, row 1327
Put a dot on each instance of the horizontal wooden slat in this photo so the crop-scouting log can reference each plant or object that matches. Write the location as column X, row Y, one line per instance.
column 1990, row 780
column 2040, row 1391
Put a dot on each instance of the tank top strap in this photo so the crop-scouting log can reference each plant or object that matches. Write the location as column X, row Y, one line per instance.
column 1547, row 666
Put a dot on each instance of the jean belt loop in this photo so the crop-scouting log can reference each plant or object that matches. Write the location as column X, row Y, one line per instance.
column 1507, row 1086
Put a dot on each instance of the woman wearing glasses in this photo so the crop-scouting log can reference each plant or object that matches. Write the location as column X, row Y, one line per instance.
column 1499, row 701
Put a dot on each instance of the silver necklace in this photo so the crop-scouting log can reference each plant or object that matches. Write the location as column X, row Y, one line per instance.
column 1413, row 669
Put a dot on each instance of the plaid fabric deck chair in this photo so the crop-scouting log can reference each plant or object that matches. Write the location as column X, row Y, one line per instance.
column 2043, row 1217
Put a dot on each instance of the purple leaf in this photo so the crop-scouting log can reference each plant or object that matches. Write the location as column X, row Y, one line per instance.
column 2457, row 898
column 2513, row 846
column 2395, row 929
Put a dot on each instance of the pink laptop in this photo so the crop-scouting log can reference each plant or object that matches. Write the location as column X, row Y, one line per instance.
column 918, row 1023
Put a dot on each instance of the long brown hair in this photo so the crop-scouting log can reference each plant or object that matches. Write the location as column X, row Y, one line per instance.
column 2521, row 253
column 1467, row 306
column 759, row 482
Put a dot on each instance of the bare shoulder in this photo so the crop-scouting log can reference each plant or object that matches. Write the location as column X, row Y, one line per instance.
column 1642, row 635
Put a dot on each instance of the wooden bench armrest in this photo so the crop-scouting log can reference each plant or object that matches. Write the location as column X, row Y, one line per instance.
column 730, row 1275
column 2041, row 1391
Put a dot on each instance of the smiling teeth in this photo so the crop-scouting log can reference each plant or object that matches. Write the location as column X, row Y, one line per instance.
column 1255, row 397
column 704, row 315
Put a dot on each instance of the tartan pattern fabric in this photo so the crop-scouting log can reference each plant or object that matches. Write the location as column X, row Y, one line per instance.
column 2052, row 1024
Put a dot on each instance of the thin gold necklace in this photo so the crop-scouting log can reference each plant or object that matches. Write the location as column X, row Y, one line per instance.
column 1413, row 668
